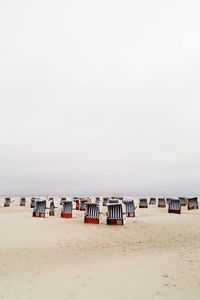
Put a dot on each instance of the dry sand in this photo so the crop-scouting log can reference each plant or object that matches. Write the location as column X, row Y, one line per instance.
column 154, row 256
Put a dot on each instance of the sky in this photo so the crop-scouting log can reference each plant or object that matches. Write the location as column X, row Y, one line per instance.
column 100, row 97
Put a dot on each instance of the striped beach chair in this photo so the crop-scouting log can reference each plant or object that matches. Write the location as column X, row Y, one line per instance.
column 7, row 202
column 67, row 211
column 40, row 210
column 143, row 203
column 193, row 203
column 130, row 207
column 161, row 202
column 116, row 214
column 92, row 213
column 32, row 205
column 183, row 200
column 152, row 201
column 174, row 206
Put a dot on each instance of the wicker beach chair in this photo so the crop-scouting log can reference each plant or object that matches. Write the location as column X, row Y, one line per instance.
column 183, row 200
column 116, row 214
column 193, row 203
column 22, row 202
column 143, row 203
column 152, row 201
column 92, row 213
column 41, row 208
column 67, row 210
column 105, row 201
column 32, row 204
column 130, row 207
column 174, row 206
column 161, row 202
column 52, row 207
column 7, row 202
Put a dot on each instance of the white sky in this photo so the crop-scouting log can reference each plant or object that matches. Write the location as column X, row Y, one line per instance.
column 100, row 97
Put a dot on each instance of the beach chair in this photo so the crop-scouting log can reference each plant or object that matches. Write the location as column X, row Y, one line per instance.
column 32, row 205
column 41, row 210
column 174, row 206
column 161, row 202
column 92, row 213
column 168, row 200
column 62, row 199
column 7, row 202
column 130, row 207
column 52, row 207
column 116, row 214
column 143, row 203
column 76, row 200
column 152, row 201
column 193, row 203
column 105, row 201
column 22, row 202
column 67, row 211
column 183, row 200
column 82, row 203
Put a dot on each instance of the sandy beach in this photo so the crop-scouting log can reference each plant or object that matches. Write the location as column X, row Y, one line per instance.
column 154, row 256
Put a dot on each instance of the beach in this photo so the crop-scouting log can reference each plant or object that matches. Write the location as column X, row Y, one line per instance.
column 153, row 256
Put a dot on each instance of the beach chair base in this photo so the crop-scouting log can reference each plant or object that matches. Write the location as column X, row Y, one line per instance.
column 161, row 205
column 6, row 205
column 39, row 214
column 77, row 205
column 66, row 215
column 91, row 220
column 82, row 209
column 130, row 214
column 52, row 213
column 22, row 204
column 174, row 211
column 115, row 222
column 143, row 206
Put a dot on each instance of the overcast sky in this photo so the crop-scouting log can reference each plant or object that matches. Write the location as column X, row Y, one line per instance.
column 100, row 97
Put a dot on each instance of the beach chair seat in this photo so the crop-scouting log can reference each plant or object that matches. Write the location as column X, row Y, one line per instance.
column 161, row 202
column 92, row 213
column 116, row 214
column 143, row 203
column 174, row 206
column 193, row 203
column 130, row 207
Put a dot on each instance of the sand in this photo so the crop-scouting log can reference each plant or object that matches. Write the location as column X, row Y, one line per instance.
column 154, row 256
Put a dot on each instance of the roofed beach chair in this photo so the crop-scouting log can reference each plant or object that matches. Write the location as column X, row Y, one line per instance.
column 52, row 207
column 130, row 207
column 98, row 200
column 161, row 202
column 116, row 214
column 67, row 210
column 7, row 202
column 152, row 201
column 40, row 210
column 22, row 202
column 143, row 203
column 32, row 205
column 174, row 206
column 193, row 203
column 82, row 203
column 76, row 200
column 92, row 213
column 183, row 201
column 105, row 201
